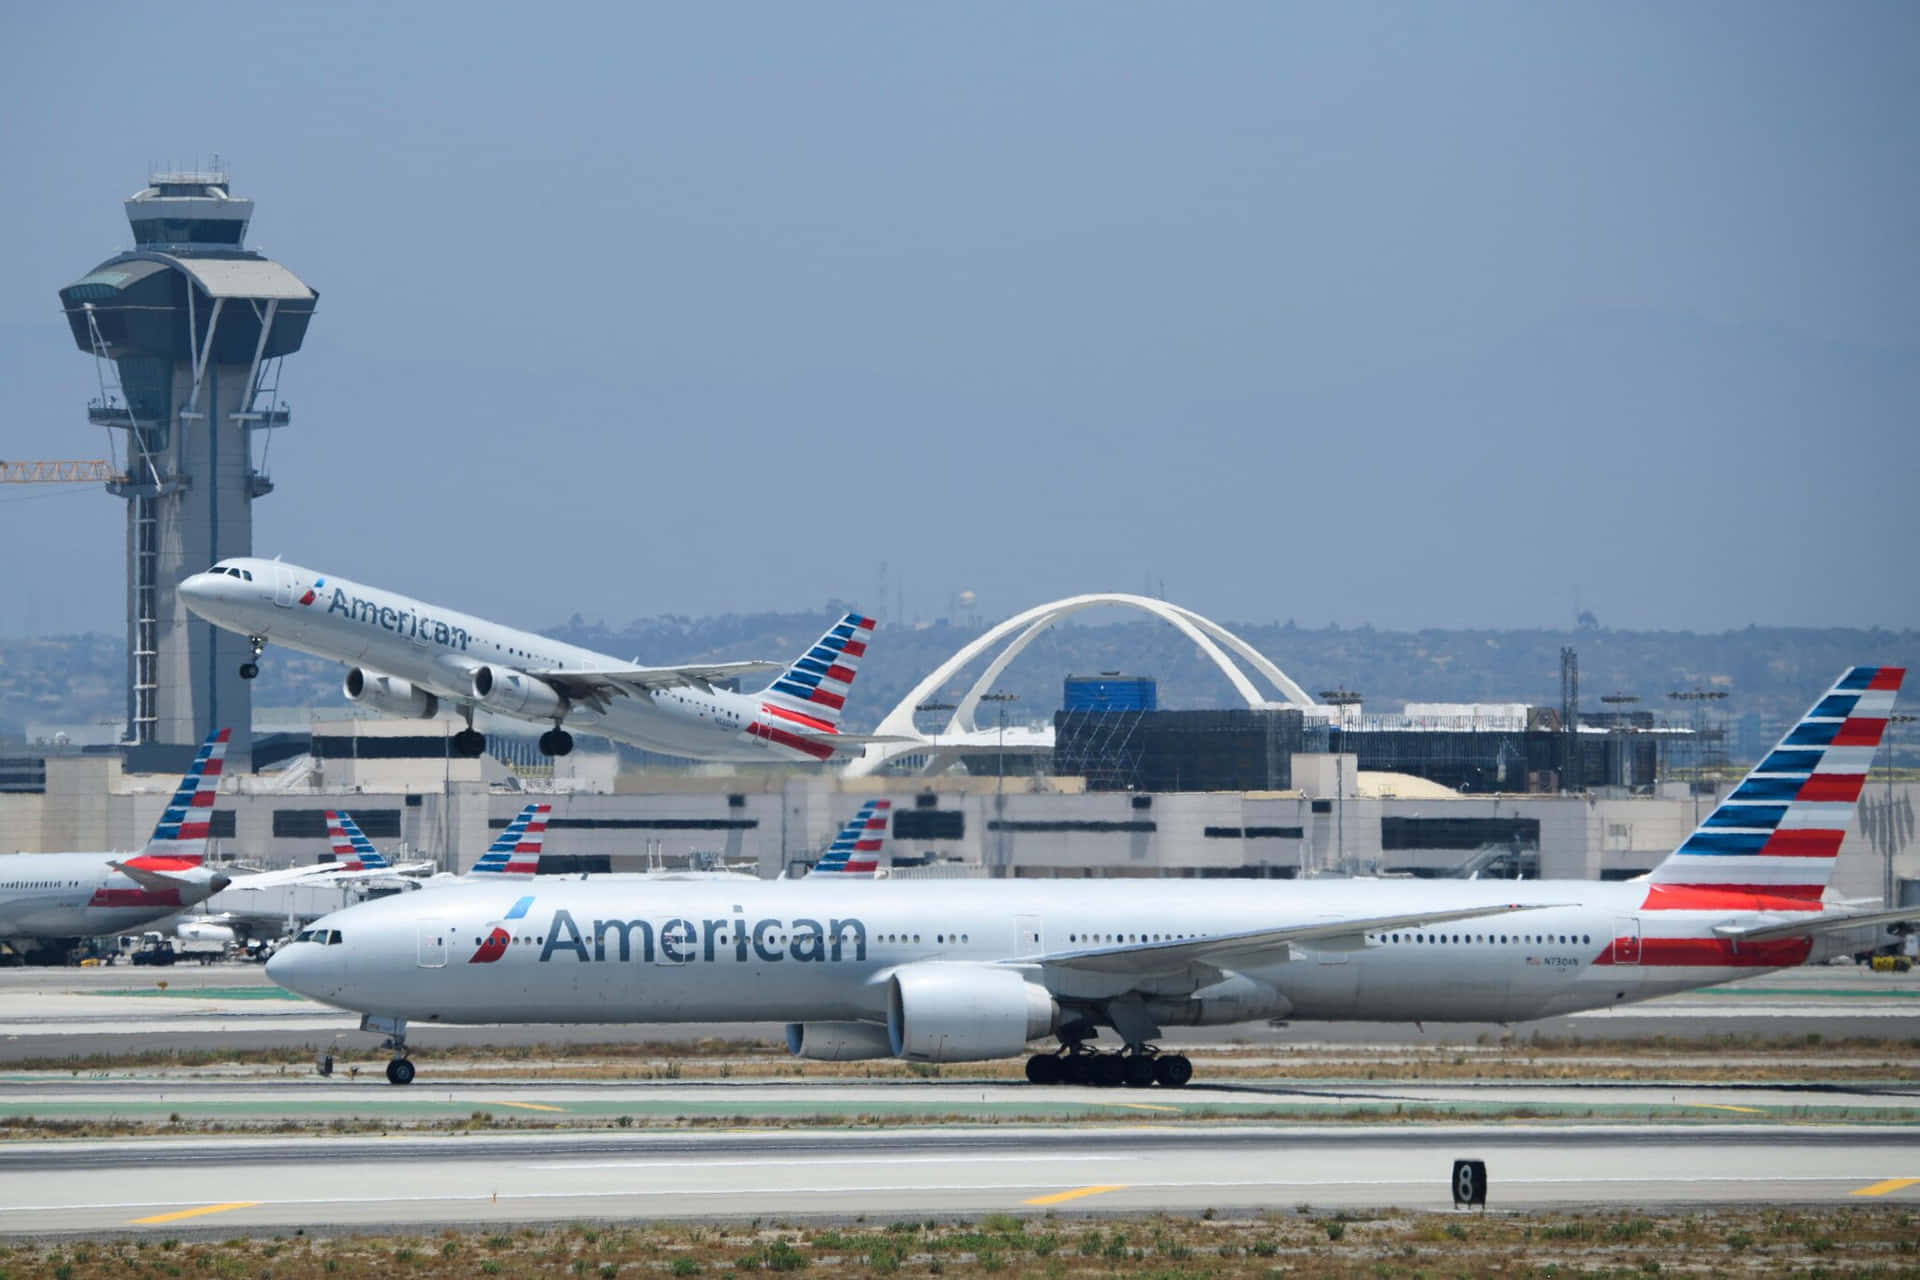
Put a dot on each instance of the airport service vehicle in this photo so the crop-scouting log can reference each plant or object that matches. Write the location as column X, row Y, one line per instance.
column 49, row 901
column 954, row 971
column 406, row 657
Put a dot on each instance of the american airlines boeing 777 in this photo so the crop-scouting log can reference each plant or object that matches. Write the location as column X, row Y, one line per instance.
column 954, row 971
column 406, row 656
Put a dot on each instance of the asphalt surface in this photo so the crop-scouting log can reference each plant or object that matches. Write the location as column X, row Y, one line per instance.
column 422, row 1183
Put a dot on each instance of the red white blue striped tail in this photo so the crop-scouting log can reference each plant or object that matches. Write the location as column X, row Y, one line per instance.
column 861, row 847
column 805, row 703
column 1778, row 833
column 181, row 834
column 517, row 850
column 352, row 851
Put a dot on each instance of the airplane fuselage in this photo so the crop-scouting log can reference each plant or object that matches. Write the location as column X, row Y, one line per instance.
column 77, row 895
column 604, row 950
column 438, row 651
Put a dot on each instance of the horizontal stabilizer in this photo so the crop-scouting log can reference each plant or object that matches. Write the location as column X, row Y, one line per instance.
column 1811, row 924
column 147, row 878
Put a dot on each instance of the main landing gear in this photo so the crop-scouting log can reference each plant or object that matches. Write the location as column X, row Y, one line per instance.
column 556, row 742
column 251, row 667
column 469, row 742
column 1139, row 1067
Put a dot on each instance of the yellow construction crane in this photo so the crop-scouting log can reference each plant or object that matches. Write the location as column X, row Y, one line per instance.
column 60, row 471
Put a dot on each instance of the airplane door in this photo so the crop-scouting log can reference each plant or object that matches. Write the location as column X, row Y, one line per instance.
column 1026, row 931
column 1626, row 940
column 283, row 586
column 433, row 946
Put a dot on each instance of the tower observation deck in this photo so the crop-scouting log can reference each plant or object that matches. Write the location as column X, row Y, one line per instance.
column 188, row 331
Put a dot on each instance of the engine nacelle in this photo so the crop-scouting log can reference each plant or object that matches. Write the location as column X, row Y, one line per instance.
column 516, row 693
column 1235, row 998
column 964, row 1012
column 838, row 1041
column 390, row 695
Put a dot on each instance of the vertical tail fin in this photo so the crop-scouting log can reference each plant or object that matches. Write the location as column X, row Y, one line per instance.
column 808, row 696
column 352, row 851
column 861, row 847
column 517, row 851
column 181, row 834
column 1779, row 832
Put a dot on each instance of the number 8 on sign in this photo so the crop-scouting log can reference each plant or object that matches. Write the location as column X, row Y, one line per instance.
column 1470, row 1182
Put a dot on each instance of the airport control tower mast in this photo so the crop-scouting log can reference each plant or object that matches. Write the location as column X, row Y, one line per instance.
column 188, row 331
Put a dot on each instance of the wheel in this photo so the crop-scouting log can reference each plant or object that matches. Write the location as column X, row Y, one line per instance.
column 469, row 742
column 1139, row 1070
column 248, row 670
column 399, row 1071
column 1172, row 1070
column 1045, row 1068
column 1107, row 1071
column 1075, row 1068
column 556, row 742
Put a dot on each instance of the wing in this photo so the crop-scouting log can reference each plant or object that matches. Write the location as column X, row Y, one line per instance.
column 1226, row 950
column 595, row 687
column 1808, row 926
column 287, row 875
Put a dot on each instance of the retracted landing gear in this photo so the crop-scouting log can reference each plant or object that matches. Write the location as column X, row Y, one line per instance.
column 251, row 667
column 400, row 1070
column 556, row 742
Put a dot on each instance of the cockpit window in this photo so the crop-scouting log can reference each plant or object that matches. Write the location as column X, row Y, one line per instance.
column 333, row 937
column 305, row 935
column 324, row 937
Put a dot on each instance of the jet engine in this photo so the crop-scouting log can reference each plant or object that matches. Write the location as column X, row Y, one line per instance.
column 964, row 1012
column 390, row 695
column 1235, row 998
column 516, row 693
column 838, row 1041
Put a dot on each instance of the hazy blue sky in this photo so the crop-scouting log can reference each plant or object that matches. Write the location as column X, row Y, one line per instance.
column 1417, row 315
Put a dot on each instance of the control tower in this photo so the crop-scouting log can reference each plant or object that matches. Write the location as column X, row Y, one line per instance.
column 188, row 331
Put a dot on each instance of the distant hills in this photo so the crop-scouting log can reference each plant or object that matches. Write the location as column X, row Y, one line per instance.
column 1769, row 673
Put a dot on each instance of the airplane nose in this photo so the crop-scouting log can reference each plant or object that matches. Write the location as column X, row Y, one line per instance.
column 290, row 967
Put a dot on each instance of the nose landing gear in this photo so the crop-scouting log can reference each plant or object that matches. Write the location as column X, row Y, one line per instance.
column 251, row 667
column 400, row 1070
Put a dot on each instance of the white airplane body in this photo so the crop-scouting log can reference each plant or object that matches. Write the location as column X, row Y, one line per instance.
column 59, row 898
column 966, row 970
column 406, row 657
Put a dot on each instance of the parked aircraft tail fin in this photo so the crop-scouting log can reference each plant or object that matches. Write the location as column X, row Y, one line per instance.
column 181, row 834
column 517, row 851
column 1778, row 833
column 352, row 851
column 861, row 847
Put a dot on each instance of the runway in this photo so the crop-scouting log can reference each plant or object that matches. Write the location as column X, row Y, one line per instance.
column 274, row 1184
column 61, row 1012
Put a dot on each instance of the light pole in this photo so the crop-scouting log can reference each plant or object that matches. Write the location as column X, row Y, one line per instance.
column 1887, row 823
column 1342, row 698
column 1697, row 699
column 1000, row 782
column 1622, row 706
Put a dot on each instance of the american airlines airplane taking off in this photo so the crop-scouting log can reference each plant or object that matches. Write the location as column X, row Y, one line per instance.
column 956, row 971
column 49, row 901
column 405, row 656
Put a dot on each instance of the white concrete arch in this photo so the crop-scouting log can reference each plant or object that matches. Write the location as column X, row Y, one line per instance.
column 1207, row 635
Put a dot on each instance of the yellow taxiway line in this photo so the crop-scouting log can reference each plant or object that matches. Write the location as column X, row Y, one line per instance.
column 527, row 1106
column 1059, row 1197
column 1882, row 1188
column 194, row 1213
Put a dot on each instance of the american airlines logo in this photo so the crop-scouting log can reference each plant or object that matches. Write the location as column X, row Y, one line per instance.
column 405, row 622
column 680, row 941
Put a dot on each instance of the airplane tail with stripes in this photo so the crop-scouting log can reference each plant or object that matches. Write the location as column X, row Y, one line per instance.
column 1777, row 835
column 801, row 709
column 517, row 851
column 180, row 837
column 860, row 850
column 352, row 851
